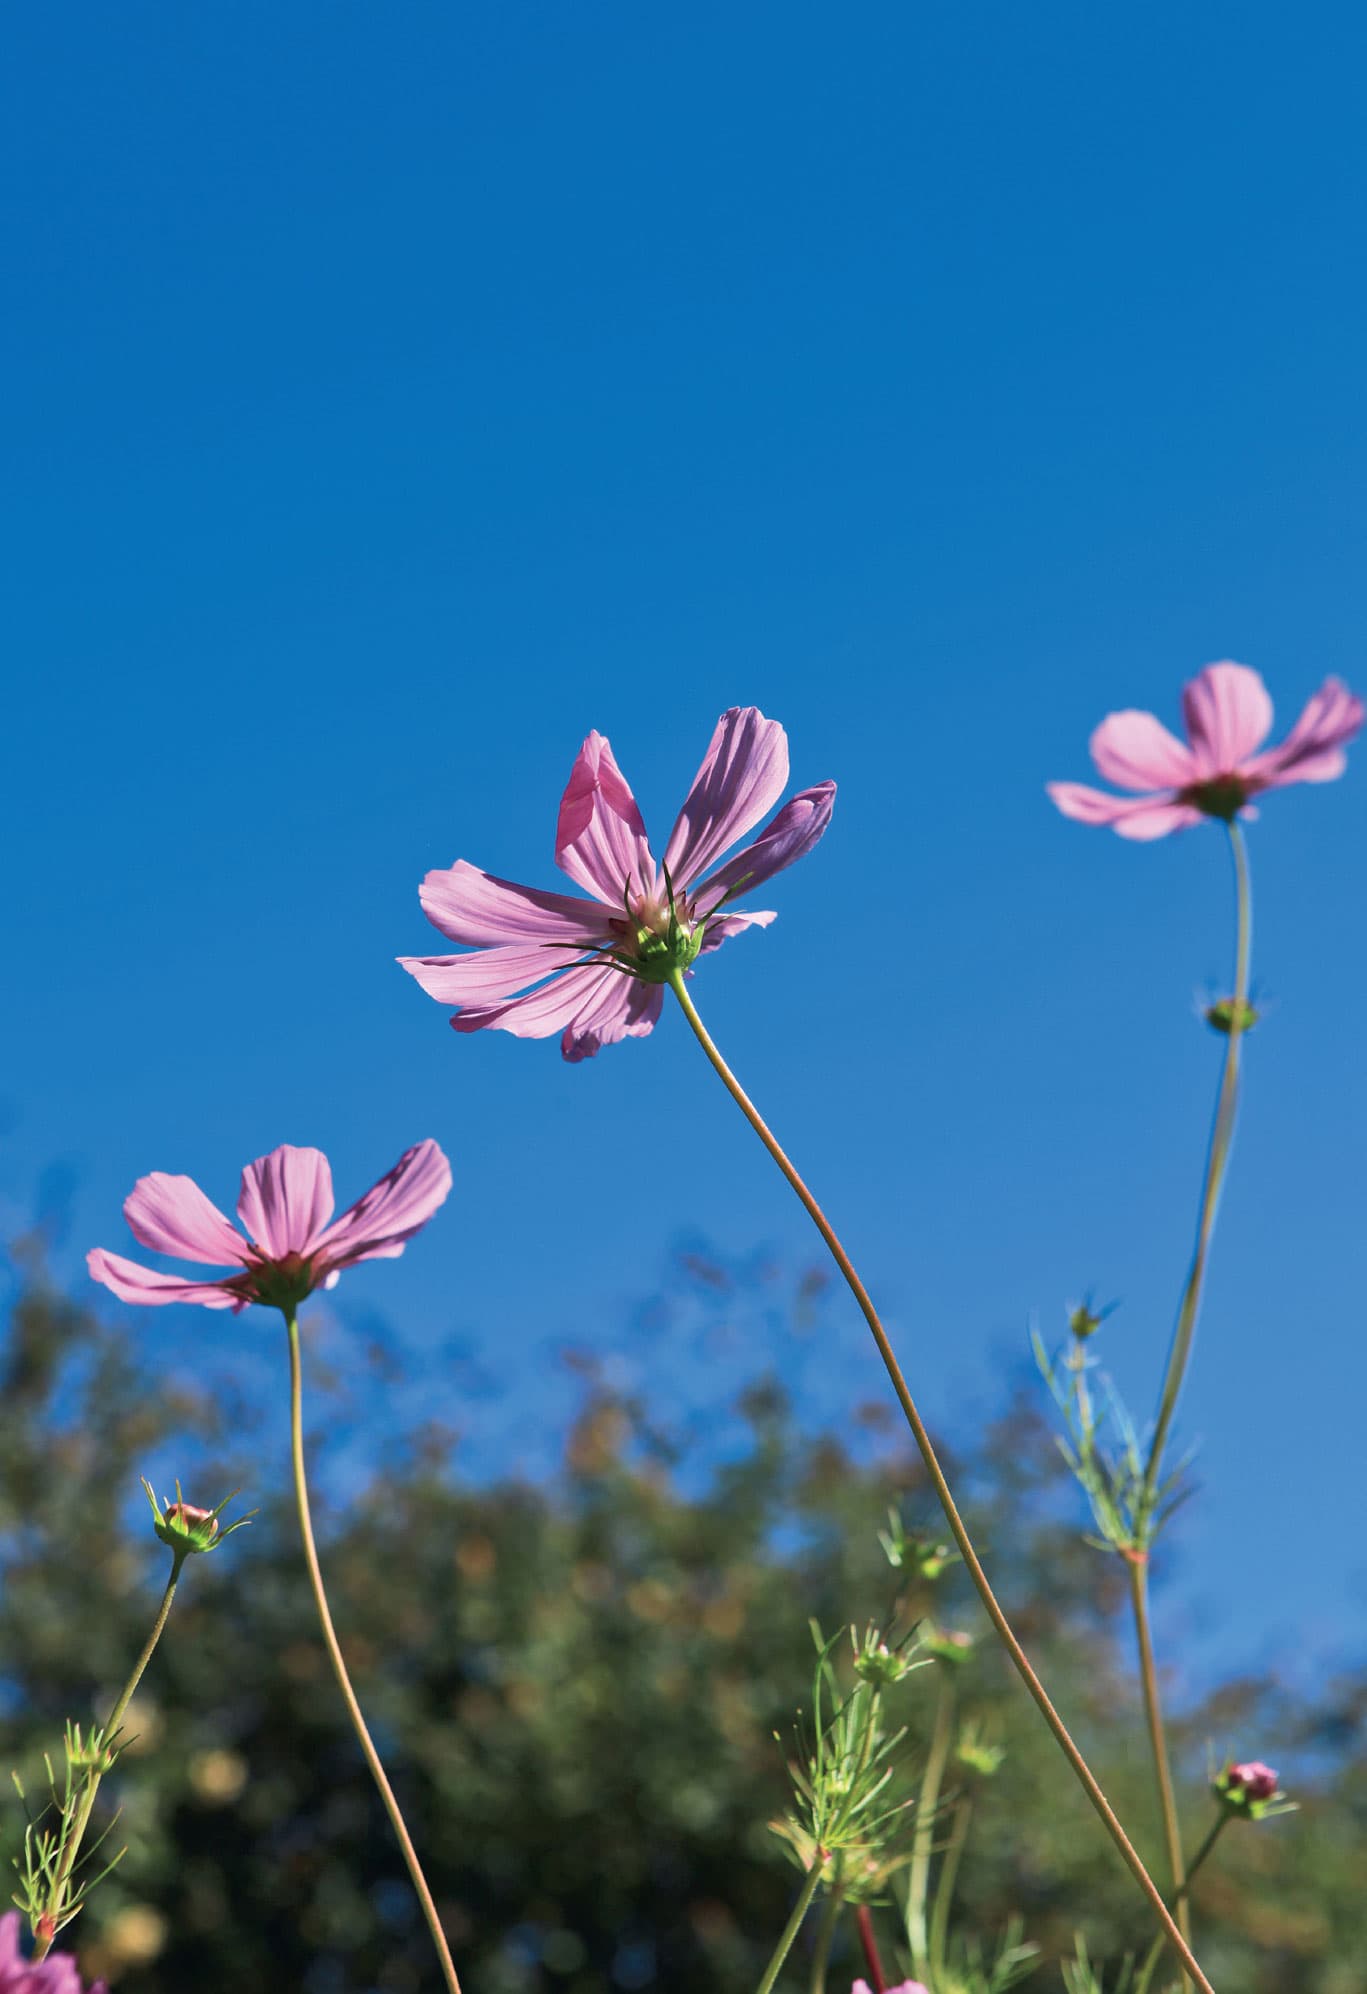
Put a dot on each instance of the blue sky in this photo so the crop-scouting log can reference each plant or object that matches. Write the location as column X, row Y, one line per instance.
column 397, row 395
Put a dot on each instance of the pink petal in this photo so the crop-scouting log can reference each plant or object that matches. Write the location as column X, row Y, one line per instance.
column 1313, row 750
column 132, row 1283
column 799, row 825
column 1228, row 715
column 476, row 908
column 628, row 1012
column 1136, row 751
column 172, row 1215
column 487, row 975
column 286, row 1200
column 376, row 1226
column 744, row 772
column 544, row 1011
column 1139, row 817
column 721, row 927
column 600, row 839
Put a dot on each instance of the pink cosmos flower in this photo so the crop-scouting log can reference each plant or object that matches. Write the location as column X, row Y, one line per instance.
column 1215, row 774
column 58, row 1973
column 902, row 1987
column 289, row 1248
column 594, row 970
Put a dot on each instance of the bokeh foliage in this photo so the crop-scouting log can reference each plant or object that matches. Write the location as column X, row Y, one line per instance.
column 577, row 1688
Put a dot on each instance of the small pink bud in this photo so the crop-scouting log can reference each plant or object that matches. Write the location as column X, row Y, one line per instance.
column 1250, row 1789
column 1257, row 1781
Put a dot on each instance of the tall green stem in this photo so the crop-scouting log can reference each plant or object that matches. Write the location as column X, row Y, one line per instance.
column 1217, row 1157
column 92, row 1784
column 830, row 1918
column 918, row 1877
column 944, row 1890
column 339, row 1669
column 1179, row 1359
column 1158, row 1744
column 791, row 1929
column 941, row 1486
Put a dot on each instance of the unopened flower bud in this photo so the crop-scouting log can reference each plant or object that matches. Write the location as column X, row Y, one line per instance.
column 1085, row 1319
column 975, row 1754
column 185, row 1528
column 1249, row 1789
column 876, row 1662
column 1231, row 1014
column 923, row 1557
column 947, row 1647
column 88, row 1753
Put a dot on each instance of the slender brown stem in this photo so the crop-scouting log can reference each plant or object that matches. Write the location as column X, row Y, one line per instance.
column 941, row 1486
column 339, row 1669
column 92, row 1784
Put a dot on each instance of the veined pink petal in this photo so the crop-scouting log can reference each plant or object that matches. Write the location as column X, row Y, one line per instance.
column 1138, row 817
column 1136, row 751
column 286, row 1200
column 743, row 774
column 721, row 927
column 799, row 825
column 487, row 975
column 1313, row 750
column 629, row 1012
column 600, row 839
column 476, row 908
column 172, row 1215
column 132, row 1283
column 377, row 1225
column 1228, row 716
column 543, row 1011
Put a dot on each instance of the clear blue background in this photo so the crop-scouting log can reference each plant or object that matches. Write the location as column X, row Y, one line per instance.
column 395, row 394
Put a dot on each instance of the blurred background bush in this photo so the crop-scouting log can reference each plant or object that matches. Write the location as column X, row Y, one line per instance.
column 577, row 1687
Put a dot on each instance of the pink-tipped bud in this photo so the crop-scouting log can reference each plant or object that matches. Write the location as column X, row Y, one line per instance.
column 1258, row 1781
column 184, row 1527
column 1249, row 1789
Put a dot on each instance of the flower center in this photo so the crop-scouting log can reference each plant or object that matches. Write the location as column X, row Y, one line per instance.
column 658, row 937
column 1222, row 796
column 280, row 1284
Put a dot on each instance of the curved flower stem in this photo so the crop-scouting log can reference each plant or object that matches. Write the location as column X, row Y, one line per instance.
column 1153, row 1711
column 1217, row 1157
column 918, row 1878
column 941, row 1486
column 1155, row 1952
column 791, row 1929
column 92, row 1784
column 339, row 1669
column 944, row 1890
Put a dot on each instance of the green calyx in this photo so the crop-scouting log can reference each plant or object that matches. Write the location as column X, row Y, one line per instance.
column 1231, row 1014
column 186, row 1529
column 283, row 1284
column 656, row 958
